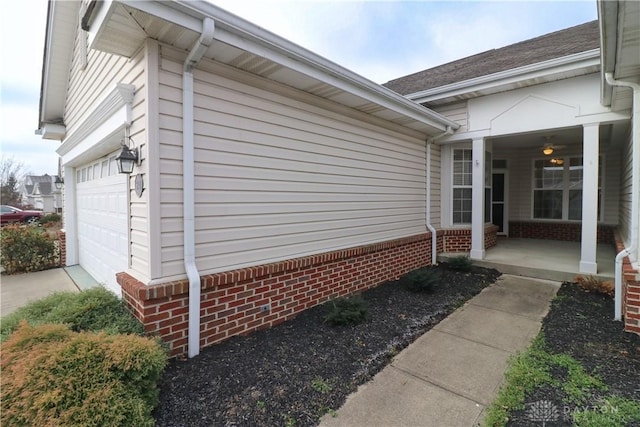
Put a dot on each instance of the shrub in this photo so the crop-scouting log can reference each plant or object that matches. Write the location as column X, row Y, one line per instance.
column 26, row 249
column 53, row 376
column 460, row 263
column 347, row 311
column 421, row 280
column 52, row 217
column 92, row 310
column 592, row 284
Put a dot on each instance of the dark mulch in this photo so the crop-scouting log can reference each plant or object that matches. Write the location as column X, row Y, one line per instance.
column 303, row 368
column 581, row 325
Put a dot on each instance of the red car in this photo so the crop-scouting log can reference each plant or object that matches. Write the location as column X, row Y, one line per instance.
column 10, row 214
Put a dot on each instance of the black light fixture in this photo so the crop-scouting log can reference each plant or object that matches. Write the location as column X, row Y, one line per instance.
column 59, row 182
column 127, row 159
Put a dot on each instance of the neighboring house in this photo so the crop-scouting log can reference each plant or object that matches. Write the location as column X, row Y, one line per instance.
column 270, row 179
column 40, row 192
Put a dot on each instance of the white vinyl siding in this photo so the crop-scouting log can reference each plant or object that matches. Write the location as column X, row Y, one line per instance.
column 458, row 112
column 277, row 176
column 626, row 195
column 436, row 183
column 87, row 87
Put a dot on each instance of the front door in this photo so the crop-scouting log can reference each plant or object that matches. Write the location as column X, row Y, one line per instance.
column 499, row 211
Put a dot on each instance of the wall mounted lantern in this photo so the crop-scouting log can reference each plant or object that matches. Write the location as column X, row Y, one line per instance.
column 127, row 159
column 59, row 182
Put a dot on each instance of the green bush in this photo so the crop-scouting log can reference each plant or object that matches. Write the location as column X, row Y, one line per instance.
column 26, row 249
column 421, row 280
column 460, row 263
column 52, row 217
column 53, row 376
column 95, row 309
column 347, row 311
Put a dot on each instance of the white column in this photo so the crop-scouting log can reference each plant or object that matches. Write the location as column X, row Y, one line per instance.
column 477, row 214
column 70, row 215
column 590, row 152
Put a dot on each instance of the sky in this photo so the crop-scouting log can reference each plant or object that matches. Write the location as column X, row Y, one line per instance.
column 380, row 40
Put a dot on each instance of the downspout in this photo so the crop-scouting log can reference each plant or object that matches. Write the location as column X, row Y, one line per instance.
column 635, row 190
column 188, row 175
column 434, row 237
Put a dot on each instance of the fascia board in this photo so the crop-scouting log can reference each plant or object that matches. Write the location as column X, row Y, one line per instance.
column 567, row 63
column 237, row 32
column 607, row 20
column 58, row 47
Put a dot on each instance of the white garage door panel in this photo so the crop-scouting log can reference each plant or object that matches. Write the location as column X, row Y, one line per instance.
column 102, row 228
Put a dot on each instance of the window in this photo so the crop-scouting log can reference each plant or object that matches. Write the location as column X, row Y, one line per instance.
column 462, row 173
column 462, row 186
column 557, row 188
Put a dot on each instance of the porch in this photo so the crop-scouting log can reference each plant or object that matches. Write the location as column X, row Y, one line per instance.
column 543, row 259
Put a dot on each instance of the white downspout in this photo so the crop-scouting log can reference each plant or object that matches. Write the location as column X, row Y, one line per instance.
column 188, row 174
column 635, row 188
column 434, row 237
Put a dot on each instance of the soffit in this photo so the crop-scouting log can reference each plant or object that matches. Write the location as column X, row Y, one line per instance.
column 125, row 27
column 62, row 21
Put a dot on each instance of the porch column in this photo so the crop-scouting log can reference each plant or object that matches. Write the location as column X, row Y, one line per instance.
column 477, row 199
column 590, row 152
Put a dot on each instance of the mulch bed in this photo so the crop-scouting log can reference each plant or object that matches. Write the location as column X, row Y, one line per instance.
column 295, row 372
column 581, row 325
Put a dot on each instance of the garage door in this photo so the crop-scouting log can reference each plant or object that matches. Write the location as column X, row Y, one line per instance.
column 102, row 220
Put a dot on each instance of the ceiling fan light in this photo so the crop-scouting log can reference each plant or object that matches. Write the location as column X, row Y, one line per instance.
column 547, row 151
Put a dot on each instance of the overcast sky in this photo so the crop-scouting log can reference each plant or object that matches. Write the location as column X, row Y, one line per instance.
column 380, row 40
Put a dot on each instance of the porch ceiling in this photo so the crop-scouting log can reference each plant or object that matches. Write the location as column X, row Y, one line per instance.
column 611, row 135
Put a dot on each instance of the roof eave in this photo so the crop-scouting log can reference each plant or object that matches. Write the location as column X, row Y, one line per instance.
column 563, row 64
column 231, row 29
column 56, row 63
column 608, row 22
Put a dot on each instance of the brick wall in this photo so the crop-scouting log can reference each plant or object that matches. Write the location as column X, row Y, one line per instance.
column 570, row 232
column 630, row 291
column 232, row 302
column 62, row 241
column 459, row 240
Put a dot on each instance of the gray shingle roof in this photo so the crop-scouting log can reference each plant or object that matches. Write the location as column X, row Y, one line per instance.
column 561, row 43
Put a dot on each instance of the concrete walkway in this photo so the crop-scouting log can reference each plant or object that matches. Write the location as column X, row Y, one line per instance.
column 452, row 373
column 18, row 289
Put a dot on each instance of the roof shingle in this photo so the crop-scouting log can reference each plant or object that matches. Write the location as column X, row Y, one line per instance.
column 558, row 44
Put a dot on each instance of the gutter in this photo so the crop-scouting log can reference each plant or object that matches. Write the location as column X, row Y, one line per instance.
column 188, row 171
column 434, row 237
column 635, row 188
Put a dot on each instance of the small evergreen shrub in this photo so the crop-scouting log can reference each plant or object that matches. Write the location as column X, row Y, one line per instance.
column 460, row 263
column 592, row 284
column 347, row 311
column 26, row 249
column 94, row 309
column 52, row 217
column 54, row 376
column 421, row 280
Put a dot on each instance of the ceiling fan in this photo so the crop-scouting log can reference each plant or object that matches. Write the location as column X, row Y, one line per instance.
column 548, row 148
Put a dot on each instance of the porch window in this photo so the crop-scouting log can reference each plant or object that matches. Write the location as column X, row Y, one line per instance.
column 557, row 188
column 462, row 190
column 462, row 186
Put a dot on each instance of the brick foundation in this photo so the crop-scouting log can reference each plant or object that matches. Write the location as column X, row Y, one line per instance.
column 459, row 240
column 630, row 291
column 231, row 302
column 62, row 241
column 569, row 232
